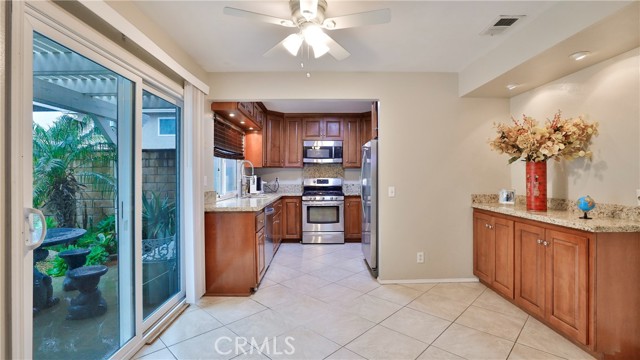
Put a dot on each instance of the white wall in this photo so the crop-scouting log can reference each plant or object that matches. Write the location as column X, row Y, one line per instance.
column 608, row 92
column 433, row 149
column 4, row 221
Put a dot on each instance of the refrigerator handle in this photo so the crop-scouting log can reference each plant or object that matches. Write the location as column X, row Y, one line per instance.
column 362, row 165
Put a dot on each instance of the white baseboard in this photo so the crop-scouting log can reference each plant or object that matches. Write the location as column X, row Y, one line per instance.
column 428, row 281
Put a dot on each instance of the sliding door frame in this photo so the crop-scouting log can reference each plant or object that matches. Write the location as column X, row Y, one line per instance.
column 51, row 21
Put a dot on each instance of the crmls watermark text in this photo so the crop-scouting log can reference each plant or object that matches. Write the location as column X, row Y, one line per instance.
column 240, row 345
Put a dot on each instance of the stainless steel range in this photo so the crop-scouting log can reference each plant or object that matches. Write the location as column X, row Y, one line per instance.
column 322, row 211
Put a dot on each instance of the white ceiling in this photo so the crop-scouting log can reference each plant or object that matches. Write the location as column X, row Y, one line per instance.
column 435, row 36
column 423, row 36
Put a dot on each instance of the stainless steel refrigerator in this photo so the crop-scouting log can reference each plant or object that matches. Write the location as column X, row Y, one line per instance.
column 369, row 196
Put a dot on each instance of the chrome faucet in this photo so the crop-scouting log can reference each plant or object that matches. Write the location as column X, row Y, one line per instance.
column 243, row 176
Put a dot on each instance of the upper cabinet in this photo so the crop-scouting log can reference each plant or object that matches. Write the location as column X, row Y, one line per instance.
column 245, row 115
column 352, row 143
column 293, row 142
column 322, row 128
column 274, row 140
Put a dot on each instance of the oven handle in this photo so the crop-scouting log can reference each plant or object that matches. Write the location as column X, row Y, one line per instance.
column 323, row 203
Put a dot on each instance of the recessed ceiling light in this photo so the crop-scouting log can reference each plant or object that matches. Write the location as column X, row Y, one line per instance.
column 512, row 86
column 580, row 55
column 232, row 114
column 241, row 122
column 250, row 128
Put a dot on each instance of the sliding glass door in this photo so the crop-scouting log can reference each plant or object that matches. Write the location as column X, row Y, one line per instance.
column 83, row 181
column 161, row 241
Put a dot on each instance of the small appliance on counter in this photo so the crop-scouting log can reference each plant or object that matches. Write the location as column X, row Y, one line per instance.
column 255, row 185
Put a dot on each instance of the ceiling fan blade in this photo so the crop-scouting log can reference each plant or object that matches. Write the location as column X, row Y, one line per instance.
column 291, row 43
column 257, row 16
column 336, row 50
column 373, row 17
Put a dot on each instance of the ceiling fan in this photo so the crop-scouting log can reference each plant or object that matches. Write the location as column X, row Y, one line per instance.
column 308, row 16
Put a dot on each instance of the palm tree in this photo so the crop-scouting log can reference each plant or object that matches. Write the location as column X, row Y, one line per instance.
column 61, row 156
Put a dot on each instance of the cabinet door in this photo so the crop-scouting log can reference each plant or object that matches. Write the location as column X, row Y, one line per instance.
column 530, row 268
column 247, row 109
column 293, row 142
column 567, row 283
column 374, row 119
column 365, row 129
column 352, row 218
column 503, row 255
column 332, row 128
column 260, row 254
column 274, row 148
column 292, row 218
column 259, row 115
column 277, row 231
column 351, row 144
column 483, row 247
column 253, row 148
column 312, row 129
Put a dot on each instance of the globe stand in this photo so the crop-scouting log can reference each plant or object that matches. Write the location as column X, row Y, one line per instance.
column 585, row 217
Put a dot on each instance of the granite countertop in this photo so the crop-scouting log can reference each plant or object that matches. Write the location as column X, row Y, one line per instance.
column 248, row 204
column 564, row 218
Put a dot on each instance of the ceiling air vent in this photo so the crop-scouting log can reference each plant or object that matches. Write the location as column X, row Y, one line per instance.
column 501, row 24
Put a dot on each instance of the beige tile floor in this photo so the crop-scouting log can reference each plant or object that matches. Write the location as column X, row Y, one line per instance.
column 319, row 302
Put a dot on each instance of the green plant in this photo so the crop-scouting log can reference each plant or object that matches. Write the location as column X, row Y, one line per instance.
column 97, row 256
column 51, row 222
column 60, row 153
column 158, row 216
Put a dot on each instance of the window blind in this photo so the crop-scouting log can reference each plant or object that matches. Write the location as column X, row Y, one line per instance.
column 228, row 142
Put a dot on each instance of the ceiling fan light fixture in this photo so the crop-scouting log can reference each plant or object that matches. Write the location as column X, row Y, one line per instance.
column 319, row 49
column 292, row 43
column 309, row 9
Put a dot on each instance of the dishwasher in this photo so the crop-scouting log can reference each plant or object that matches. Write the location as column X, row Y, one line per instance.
column 269, row 213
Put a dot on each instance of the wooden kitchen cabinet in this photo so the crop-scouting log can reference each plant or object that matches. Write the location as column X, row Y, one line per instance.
column 352, row 143
column 292, row 218
column 582, row 284
column 242, row 114
column 552, row 277
column 234, row 252
column 365, row 128
column 530, row 268
column 277, row 225
column 274, row 147
column 352, row 218
column 322, row 128
column 493, row 252
column 259, row 114
column 293, row 142
column 254, row 148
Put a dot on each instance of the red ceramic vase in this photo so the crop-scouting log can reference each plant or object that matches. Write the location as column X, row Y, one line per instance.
column 537, row 185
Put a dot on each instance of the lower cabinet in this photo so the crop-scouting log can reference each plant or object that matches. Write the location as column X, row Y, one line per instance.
column 493, row 252
column 352, row 218
column 576, row 282
column 234, row 252
column 291, row 218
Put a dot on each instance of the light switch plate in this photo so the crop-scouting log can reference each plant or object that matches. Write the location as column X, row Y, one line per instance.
column 392, row 191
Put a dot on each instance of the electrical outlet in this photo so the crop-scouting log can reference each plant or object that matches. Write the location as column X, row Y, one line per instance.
column 638, row 196
column 276, row 179
column 392, row 191
column 420, row 257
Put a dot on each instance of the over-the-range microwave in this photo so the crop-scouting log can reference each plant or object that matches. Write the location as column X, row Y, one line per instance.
column 322, row 152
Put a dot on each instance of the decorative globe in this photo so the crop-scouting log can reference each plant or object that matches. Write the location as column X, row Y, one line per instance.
column 586, row 204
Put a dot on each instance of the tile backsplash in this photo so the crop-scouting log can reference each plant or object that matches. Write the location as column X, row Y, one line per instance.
column 322, row 171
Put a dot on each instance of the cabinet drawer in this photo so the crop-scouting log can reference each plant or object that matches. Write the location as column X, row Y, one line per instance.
column 260, row 221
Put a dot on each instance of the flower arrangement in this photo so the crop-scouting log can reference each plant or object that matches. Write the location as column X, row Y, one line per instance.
column 558, row 138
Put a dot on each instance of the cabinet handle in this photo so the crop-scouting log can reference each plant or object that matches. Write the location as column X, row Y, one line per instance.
column 545, row 243
column 488, row 226
column 540, row 241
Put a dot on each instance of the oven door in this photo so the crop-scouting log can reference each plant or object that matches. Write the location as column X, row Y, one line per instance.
column 320, row 216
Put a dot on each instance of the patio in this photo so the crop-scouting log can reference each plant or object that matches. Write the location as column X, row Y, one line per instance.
column 80, row 339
